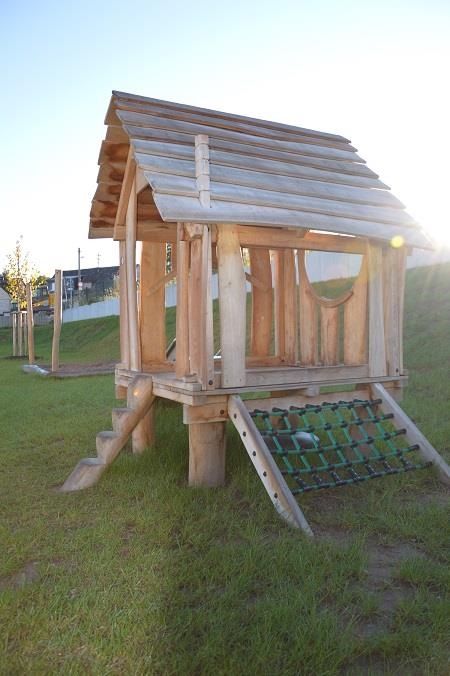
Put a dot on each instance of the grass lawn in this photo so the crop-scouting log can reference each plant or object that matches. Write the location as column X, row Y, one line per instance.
column 143, row 575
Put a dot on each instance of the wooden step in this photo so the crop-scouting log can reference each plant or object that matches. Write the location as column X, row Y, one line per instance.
column 118, row 416
column 85, row 474
column 107, row 446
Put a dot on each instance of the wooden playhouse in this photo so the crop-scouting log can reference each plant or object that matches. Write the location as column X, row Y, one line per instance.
column 206, row 193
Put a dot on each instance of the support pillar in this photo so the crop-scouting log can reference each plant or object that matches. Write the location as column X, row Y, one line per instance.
column 207, row 454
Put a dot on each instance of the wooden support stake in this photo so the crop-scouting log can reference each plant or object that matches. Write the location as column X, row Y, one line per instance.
column 30, row 322
column 232, row 304
column 57, row 320
column 394, row 263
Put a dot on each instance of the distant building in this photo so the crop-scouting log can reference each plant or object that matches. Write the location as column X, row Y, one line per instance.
column 92, row 282
column 5, row 302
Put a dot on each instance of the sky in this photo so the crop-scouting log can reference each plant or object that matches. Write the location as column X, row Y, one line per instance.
column 375, row 72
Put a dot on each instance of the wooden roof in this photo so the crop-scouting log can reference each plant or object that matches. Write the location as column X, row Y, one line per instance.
column 260, row 173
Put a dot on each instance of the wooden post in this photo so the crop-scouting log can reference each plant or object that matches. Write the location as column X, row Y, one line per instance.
column 280, row 333
column 329, row 335
column 130, row 242
column 308, row 318
column 290, row 307
column 123, row 297
column 182, row 316
column 394, row 262
column 201, row 355
column 30, row 322
column 152, row 303
column 57, row 320
column 232, row 299
column 355, row 320
column 262, row 302
column 377, row 351
column 207, row 454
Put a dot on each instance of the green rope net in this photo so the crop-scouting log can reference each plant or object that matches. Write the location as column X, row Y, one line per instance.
column 334, row 444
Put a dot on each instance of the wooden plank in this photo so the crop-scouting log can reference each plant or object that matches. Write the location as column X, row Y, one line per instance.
column 245, row 134
column 355, row 321
column 214, row 411
column 246, row 157
column 130, row 246
column 290, row 306
column 113, row 151
column 177, row 110
column 271, row 477
column 182, row 315
column 329, row 335
column 262, row 302
column 123, row 303
column 175, row 208
column 224, row 172
column 393, row 271
column 232, row 304
column 279, row 305
column 401, row 420
column 377, row 350
column 283, row 238
column 152, row 303
column 337, row 202
column 57, row 320
column 300, row 400
column 202, row 179
column 308, row 317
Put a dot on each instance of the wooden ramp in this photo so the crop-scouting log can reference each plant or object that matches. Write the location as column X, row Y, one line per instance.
column 109, row 444
column 299, row 449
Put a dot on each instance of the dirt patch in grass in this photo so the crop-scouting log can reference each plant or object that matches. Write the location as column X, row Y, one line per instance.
column 76, row 370
column 27, row 574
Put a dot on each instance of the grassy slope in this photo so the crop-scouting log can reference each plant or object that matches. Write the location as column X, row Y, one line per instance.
column 142, row 575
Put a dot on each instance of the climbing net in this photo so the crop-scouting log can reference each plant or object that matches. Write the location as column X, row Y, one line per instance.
column 335, row 444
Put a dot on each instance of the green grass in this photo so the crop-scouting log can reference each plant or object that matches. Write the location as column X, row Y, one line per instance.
column 143, row 575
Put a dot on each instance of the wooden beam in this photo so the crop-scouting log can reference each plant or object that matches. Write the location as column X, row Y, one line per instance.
column 268, row 471
column 232, row 305
column 207, row 454
column 127, row 183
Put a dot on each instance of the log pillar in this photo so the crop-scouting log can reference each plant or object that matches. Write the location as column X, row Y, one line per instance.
column 207, row 454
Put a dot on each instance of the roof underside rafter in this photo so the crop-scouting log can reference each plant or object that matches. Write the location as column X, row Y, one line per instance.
column 257, row 173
